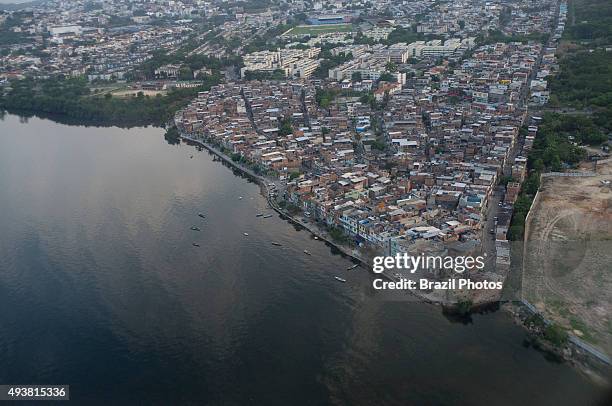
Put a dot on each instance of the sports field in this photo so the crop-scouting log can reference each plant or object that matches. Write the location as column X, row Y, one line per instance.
column 314, row 30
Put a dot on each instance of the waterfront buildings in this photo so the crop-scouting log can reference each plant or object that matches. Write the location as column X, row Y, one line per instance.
column 394, row 132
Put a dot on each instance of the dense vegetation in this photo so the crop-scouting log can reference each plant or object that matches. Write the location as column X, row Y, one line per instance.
column 404, row 35
column 328, row 62
column 190, row 63
column 70, row 98
column 554, row 147
column 265, row 75
column 172, row 135
column 522, row 206
column 557, row 146
column 585, row 82
column 590, row 21
column 10, row 37
column 494, row 36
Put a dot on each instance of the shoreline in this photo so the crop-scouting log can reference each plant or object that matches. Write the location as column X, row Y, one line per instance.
column 450, row 307
column 456, row 307
column 263, row 183
column 453, row 309
column 316, row 287
column 315, row 230
column 311, row 228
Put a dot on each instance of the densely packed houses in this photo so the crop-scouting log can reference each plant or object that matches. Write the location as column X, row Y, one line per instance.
column 400, row 143
column 449, row 136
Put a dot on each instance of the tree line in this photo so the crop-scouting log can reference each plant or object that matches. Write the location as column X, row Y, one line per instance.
column 557, row 146
column 70, row 98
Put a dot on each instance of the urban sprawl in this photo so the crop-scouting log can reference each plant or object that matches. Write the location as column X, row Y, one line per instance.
column 391, row 125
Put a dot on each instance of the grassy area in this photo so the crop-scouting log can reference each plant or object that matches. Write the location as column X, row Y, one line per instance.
column 314, row 30
column 586, row 332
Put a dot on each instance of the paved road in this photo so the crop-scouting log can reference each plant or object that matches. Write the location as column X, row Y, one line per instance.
column 494, row 210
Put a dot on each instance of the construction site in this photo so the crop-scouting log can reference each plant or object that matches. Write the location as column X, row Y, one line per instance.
column 567, row 271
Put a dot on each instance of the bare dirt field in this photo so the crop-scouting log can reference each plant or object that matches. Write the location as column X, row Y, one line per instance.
column 568, row 254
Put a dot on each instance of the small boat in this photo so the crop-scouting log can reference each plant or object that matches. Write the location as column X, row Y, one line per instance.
column 195, row 244
column 194, row 228
column 277, row 244
column 267, row 216
column 259, row 215
column 352, row 267
column 340, row 279
column 307, row 252
column 316, row 238
column 240, row 198
column 191, row 157
column 246, row 234
column 201, row 215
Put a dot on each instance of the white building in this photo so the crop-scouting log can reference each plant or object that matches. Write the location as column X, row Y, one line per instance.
column 65, row 29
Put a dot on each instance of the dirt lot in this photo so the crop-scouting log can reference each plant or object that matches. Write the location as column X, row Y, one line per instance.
column 568, row 254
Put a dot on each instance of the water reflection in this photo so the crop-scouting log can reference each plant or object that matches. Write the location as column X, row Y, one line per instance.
column 101, row 288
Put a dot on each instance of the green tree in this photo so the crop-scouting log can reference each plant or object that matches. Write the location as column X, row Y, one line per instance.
column 285, row 126
column 503, row 180
column 387, row 77
column 556, row 335
column 185, row 73
column 391, row 66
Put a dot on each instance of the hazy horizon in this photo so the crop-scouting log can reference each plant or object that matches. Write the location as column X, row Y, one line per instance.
column 14, row 1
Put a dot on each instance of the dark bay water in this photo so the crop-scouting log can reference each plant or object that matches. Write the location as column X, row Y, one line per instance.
column 101, row 288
